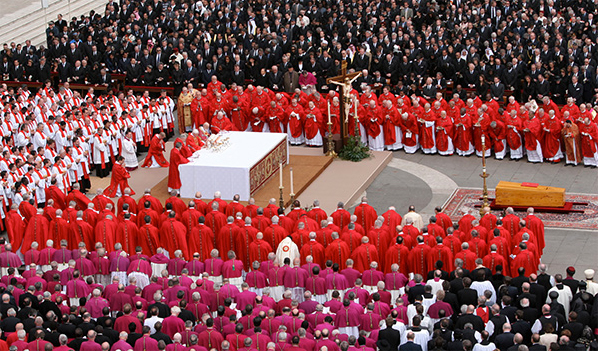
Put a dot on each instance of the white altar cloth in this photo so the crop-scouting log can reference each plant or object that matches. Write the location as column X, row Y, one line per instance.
column 242, row 168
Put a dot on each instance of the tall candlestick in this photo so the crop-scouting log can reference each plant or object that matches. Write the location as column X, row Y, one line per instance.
column 281, row 175
column 329, row 119
column 483, row 138
column 291, row 170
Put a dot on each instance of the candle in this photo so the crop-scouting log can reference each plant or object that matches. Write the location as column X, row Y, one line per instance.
column 281, row 175
column 355, row 104
column 483, row 138
column 292, row 192
column 329, row 120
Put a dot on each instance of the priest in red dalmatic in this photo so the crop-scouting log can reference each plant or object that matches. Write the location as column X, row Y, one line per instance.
column 366, row 215
column 399, row 254
column 275, row 117
column 462, row 136
column 444, row 135
column 532, row 132
column 427, row 130
column 37, row 230
column 259, row 249
column 81, row 231
column 365, row 254
column 53, row 192
column 514, row 135
column 551, row 142
column 176, row 159
column 80, row 199
column 201, row 240
column 155, row 155
column 338, row 251
column 314, row 249
column 220, row 122
column 237, row 111
column 410, row 132
column 498, row 138
column 589, row 142
column 390, row 125
column 295, row 118
column 149, row 237
column 15, row 227
column 119, row 180
column 173, row 236
column 313, row 125
column 480, row 128
column 419, row 262
column 198, row 111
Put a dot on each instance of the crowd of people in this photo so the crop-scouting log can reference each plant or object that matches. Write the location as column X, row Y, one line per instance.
column 140, row 275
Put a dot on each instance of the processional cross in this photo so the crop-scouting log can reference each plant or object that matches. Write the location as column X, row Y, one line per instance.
column 344, row 80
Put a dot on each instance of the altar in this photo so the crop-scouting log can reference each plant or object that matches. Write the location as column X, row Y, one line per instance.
column 242, row 167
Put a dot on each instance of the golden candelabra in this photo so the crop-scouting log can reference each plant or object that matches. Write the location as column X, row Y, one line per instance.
column 281, row 199
column 330, row 142
column 484, row 175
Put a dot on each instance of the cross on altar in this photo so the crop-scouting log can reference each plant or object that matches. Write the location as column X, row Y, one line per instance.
column 344, row 80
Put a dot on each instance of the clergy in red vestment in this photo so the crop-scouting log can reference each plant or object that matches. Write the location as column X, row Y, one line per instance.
column 498, row 139
column 494, row 259
column 338, row 251
column 198, row 111
column 397, row 254
column 227, row 238
column 410, row 131
column 201, row 240
column 173, row 236
column 119, row 179
column 155, row 155
column 126, row 234
column 441, row 252
column 259, row 249
column 296, row 119
column 105, row 233
column 365, row 254
column 36, row 230
column 551, row 142
column 588, row 131
column 390, row 122
column 221, row 123
column 463, row 133
column 155, row 204
column 76, row 195
column 314, row 249
column 313, row 125
column 427, row 130
column 275, row 117
column 15, row 227
column 419, row 258
column 366, row 214
column 524, row 259
column 380, row 237
column 81, row 231
column 467, row 256
column 176, row 159
column 532, row 132
column 215, row 219
column 53, row 192
column 340, row 216
column 149, row 237
column 444, row 134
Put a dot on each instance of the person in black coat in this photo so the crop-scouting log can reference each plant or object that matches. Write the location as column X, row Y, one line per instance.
column 390, row 335
column 161, row 75
column 238, row 76
column 275, row 79
column 134, row 73
column 16, row 71
column 177, row 77
column 575, row 90
column 467, row 296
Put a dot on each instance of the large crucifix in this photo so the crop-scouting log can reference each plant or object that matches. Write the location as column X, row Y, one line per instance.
column 344, row 80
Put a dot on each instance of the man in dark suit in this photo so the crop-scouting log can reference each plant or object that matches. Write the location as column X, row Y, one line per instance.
column 575, row 90
column 361, row 61
column 238, row 76
column 497, row 89
column 536, row 346
column 275, row 79
column 16, row 71
column 392, row 336
column 64, row 69
column 104, row 78
column 134, row 72
column 410, row 345
column 429, row 90
column 467, row 296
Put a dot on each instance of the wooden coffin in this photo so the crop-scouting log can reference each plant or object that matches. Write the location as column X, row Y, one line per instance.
column 529, row 194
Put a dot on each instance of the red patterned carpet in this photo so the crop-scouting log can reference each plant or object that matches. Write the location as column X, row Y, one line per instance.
column 464, row 199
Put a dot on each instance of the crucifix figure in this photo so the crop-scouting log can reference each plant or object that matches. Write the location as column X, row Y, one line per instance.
column 344, row 80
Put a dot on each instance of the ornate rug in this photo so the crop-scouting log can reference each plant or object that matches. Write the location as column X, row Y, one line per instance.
column 465, row 199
